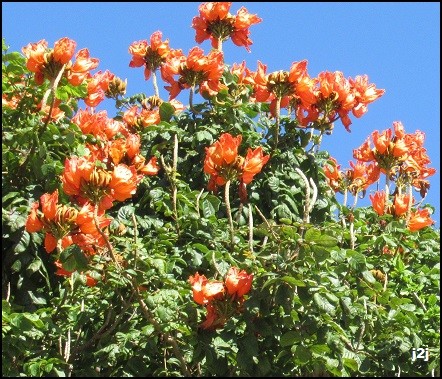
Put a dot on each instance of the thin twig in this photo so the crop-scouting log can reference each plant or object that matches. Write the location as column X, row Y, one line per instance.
column 419, row 301
column 306, row 218
column 155, row 85
column 198, row 202
column 229, row 213
column 134, row 220
column 315, row 195
column 250, row 228
column 105, row 237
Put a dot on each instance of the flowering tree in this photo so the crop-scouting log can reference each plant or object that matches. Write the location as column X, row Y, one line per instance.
column 206, row 239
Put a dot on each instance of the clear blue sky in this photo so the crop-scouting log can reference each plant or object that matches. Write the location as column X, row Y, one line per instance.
column 396, row 44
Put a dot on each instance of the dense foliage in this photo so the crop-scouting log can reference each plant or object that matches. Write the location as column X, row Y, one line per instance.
column 172, row 240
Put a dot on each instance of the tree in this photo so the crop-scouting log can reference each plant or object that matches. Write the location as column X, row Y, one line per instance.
column 206, row 239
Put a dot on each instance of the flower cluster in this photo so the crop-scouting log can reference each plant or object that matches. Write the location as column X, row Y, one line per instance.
column 65, row 225
column 403, row 159
column 223, row 163
column 221, row 299
column 316, row 101
column 217, row 24
column 401, row 156
column 355, row 179
column 47, row 62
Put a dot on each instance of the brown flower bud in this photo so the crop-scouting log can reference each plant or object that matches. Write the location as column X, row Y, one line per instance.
column 117, row 87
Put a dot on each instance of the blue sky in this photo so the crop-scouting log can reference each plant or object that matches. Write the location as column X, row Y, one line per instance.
column 396, row 44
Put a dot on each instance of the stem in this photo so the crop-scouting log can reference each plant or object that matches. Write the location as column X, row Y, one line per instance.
column 250, row 228
column 155, row 85
column 315, row 195
column 219, row 44
column 173, row 183
column 40, row 130
column 105, row 237
column 198, row 202
column 419, row 301
column 344, row 224
column 355, row 201
column 278, row 111
column 352, row 235
column 229, row 213
column 306, row 218
column 387, row 183
column 410, row 202
column 134, row 220
column 54, row 85
column 191, row 93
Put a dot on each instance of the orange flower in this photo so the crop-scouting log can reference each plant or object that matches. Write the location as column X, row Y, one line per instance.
column 85, row 220
column 56, row 220
column 365, row 93
column 333, row 174
column 382, row 141
column 222, row 154
column 33, row 222
column 124, row 182
column 378, row 201
column 205, row 291
column 97, row 85
column 195, row 70
column 197, row 282
column 76, row 171
column 217, row 24
column 49, row 204
column 151, row 168
column 151, row 56
column 401, row 204
column 238, row 283
column 81, row 67
column 35, row 54
column 253, row 164
column 420, row 219
column 64, row 50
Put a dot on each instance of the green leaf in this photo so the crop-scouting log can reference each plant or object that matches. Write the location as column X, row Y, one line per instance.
column 323, row 304
column 23, row 244
column 368, row 276
column 326, row 241
column 293, row 281
column 312, row 235
column 290, row 338
column 351, row 364
column 72, row 259
column 166, row 111
column 203, row 135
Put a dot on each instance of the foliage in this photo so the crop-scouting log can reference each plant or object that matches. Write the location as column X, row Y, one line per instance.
column 337, row 290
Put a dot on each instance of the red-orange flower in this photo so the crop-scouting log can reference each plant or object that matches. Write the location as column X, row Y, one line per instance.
column 333, row 174
column 197, row 69
column 253, row 163
column 33, row 222
column 204, row 290
column 64, row 50
column 221, row 158
column 238, row 282
column 151, row 56
column 56, row 220
column 379, row 201
column 401, row 204
column 217, row 24
column 419, row 220
column 123, row 182
column 81, row 67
